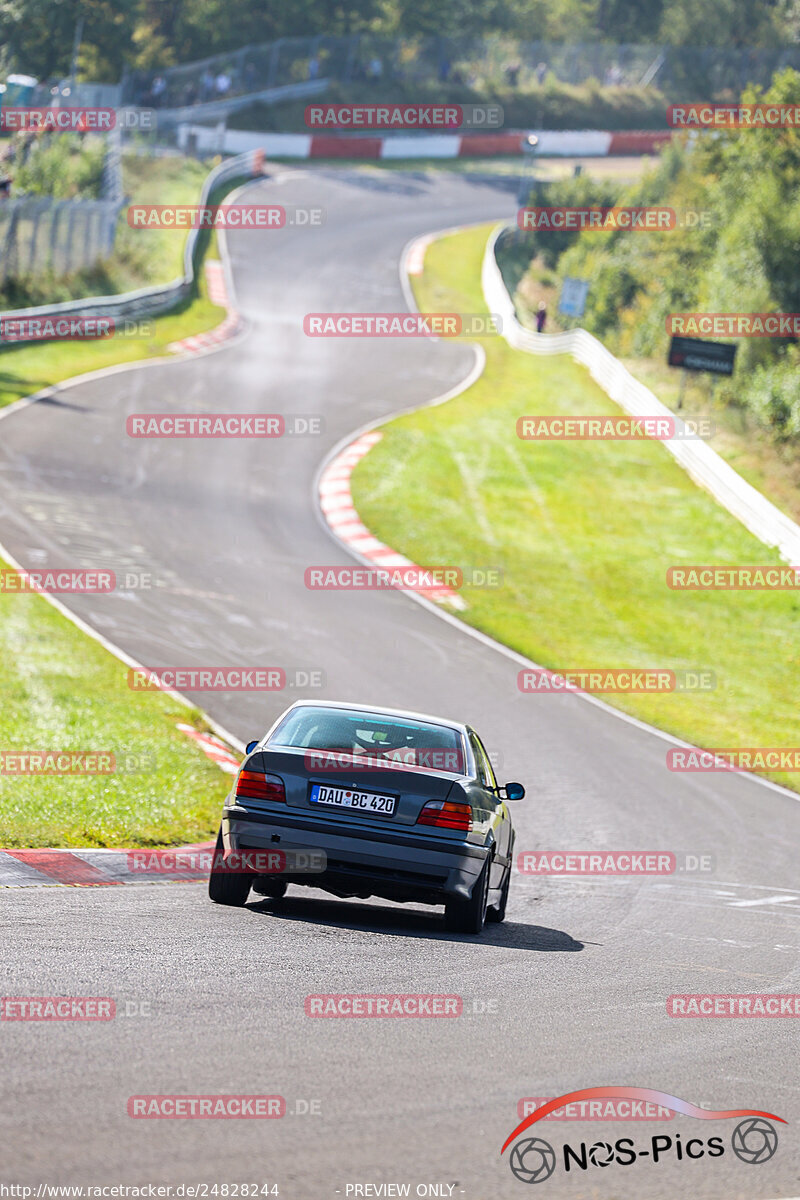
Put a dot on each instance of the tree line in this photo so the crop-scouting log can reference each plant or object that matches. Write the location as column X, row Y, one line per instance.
column 38, row 37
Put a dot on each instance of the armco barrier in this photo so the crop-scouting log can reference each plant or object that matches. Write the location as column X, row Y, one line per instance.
column 704, row 465
column 152, row 301
column 220, row 110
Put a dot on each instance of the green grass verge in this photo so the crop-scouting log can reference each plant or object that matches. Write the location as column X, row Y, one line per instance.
column 63, row 691
column 584, row 533
column 739, row 437
column 28, row 368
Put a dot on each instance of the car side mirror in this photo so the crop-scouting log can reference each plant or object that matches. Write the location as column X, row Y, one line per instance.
column 514, row 791
column 250, row 747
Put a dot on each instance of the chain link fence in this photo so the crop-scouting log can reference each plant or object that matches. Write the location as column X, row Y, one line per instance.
column 706, row 72
column 39, row 234
column 154, row 301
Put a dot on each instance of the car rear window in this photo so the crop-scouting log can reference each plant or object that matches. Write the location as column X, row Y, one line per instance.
column 401, row 740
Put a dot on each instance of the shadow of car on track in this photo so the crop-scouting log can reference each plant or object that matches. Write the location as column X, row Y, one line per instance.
column 365, row 918
column 56, row 402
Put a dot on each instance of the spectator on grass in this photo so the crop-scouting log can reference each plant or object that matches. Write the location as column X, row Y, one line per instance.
column 222, row 83
column 375, row 69
column 541, row 317
column 313, row 67
column 512, row 73
column 541, row 73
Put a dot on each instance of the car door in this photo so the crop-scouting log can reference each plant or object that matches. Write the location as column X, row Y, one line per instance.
column 501, row 823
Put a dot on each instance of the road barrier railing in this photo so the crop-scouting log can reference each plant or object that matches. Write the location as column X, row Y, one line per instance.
column 149, row 301
column 704, row 465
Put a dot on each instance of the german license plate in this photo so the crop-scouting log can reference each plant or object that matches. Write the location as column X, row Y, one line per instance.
column 372, row 803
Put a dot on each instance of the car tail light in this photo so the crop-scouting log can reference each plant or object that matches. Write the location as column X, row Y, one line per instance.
column 255, row 785
column 446, row 815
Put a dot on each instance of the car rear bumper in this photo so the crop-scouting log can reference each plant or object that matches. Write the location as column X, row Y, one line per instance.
column 362, row 862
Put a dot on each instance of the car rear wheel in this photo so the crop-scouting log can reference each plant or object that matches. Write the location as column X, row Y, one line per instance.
column 497, row 912
column 225, row 887
column 468, row 916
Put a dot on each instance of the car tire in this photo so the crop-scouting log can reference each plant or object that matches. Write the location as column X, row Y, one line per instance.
column 223, row 886
column 497, row 912
column 274, row 889
column 468, row 916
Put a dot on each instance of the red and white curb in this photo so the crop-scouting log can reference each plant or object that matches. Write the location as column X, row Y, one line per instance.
column 110, row 868
column 415, row 255
column 215, row 748
column 336, row 503
column 98, row 868
column 217, row 294
column 582, row 143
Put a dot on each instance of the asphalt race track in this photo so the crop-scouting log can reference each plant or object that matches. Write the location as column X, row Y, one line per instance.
column 570, row 992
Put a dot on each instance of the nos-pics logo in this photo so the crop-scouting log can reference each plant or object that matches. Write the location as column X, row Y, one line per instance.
column 533, row 1160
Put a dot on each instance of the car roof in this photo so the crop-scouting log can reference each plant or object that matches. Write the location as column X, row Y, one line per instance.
column 343, row 706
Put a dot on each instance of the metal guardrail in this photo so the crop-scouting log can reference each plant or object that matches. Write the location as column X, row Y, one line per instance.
column 150, row 301
column 704, row 465
column 219, row 110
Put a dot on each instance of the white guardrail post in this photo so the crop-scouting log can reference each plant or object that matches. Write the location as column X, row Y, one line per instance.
column 150, row 301
column 704, row 465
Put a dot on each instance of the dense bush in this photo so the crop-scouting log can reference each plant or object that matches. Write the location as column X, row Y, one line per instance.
column 63, row 166
column 736, row 249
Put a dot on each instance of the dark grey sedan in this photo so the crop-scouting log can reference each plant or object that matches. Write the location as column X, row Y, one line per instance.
column 363, row 801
